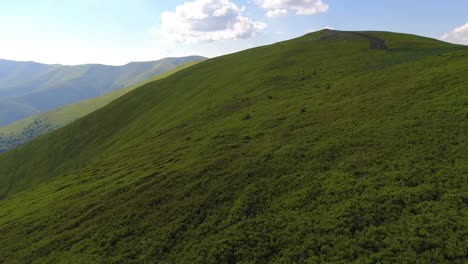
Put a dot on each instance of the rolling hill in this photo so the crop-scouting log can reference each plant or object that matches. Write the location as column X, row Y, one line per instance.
column 29, row 88
column 27, row 129
column 336, row 147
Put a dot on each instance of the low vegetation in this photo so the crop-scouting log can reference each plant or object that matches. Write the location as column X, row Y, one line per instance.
column 373, row 170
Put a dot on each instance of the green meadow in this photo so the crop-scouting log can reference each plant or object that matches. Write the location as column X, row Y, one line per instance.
column 335, row 147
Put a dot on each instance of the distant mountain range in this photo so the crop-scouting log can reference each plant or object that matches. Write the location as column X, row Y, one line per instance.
column 29, row 88
column 34, row 126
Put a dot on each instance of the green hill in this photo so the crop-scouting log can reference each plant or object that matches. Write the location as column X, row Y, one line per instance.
column 27, row 129
column 28, row 88
column 336, row 147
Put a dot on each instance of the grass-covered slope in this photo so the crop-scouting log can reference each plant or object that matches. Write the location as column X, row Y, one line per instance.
column 27, row 88
column 27, row 129
column 330, row 148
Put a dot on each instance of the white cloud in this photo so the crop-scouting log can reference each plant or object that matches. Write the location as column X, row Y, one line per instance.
column 301, row 7
column 277, row 12
column 207, row 21
column 458, row 35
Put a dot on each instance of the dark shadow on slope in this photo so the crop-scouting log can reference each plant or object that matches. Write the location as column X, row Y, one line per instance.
column 375, row 42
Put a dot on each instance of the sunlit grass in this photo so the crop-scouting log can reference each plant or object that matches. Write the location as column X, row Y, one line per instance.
column 319, row 150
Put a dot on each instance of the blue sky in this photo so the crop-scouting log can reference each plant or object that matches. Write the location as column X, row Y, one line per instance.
column 119, row 31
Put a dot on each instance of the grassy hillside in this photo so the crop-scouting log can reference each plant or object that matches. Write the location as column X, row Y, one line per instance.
column 335, row 147
column 27, row 129
column 27, row 88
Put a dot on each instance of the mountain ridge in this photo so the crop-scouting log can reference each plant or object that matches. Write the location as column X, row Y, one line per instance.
column 51, row 86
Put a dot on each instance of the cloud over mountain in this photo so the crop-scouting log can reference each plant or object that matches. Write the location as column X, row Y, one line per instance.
column 300, row 7
column 458, row 35
column 277, row 12
column 207, row 21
